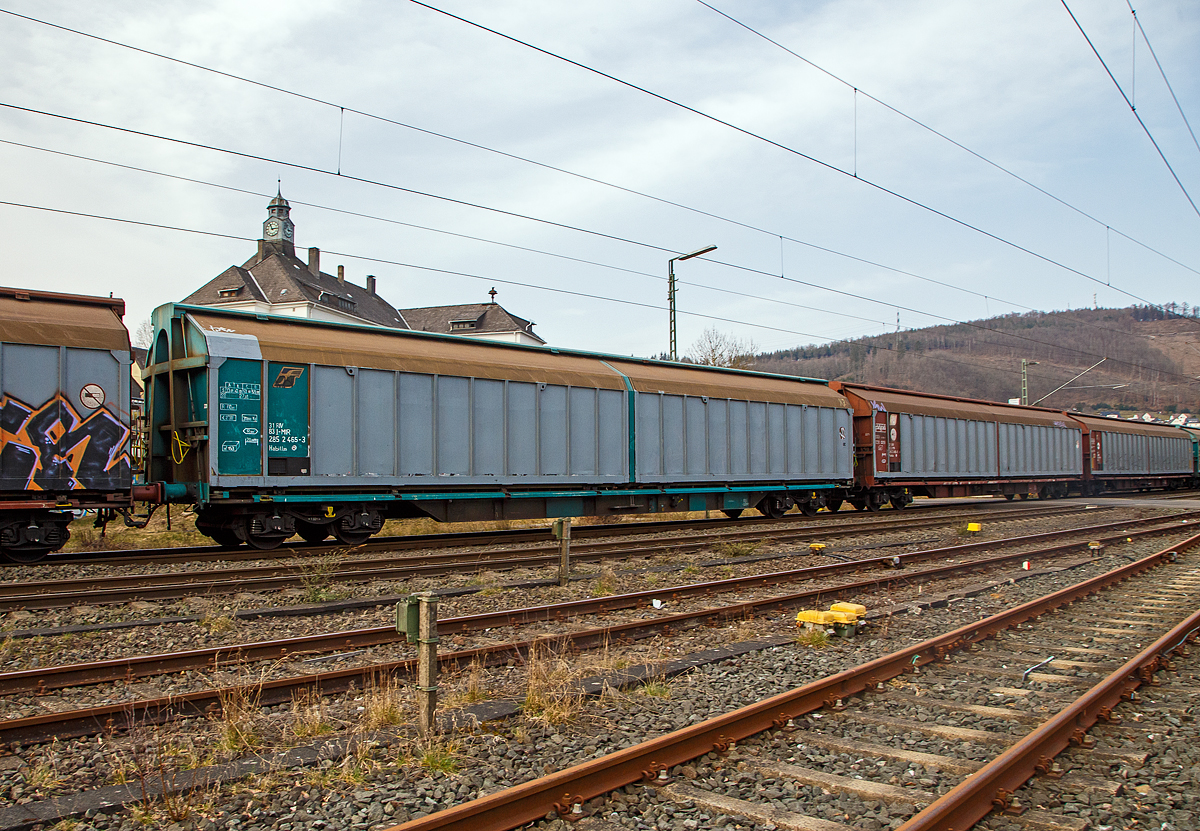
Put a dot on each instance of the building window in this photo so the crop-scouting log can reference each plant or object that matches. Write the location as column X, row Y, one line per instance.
column 233, row 292
column 343, row 303
column 459, row 325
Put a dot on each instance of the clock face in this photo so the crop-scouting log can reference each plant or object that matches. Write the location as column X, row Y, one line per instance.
column 287, row 231
column 272, row 227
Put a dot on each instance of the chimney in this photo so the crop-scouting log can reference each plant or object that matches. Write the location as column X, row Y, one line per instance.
column 341, row 274
column 314, row 261
column 371, row 283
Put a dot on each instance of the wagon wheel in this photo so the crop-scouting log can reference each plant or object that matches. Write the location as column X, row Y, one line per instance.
column 311, row 531
column 773, row 507
column 27, row 554
column 262, row 540
column 350, row 537
column 833, row 503
column 873, row 504
column 898, row 502
column 808, row 507
column 1009, row 496
column 732, row 513
column 858, row 503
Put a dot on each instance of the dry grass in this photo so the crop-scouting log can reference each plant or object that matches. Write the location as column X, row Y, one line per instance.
column 152, row 762
column 84, row 537
column 309, row 718
column 737, row 549
column 469, row 687
column 606, row 583
column 240, row 722
column 217, row 624
column 384, row 700
column 657, row 688
column 816, row 638
column 316, row 576
column 552, row 691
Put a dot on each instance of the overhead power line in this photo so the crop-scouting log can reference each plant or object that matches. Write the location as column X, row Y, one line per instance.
column 1163, row 73
column 992, row 163
column 342, row 108
column 313, row 169
column 1132, row 108
column 759, row 137
column 570, row 292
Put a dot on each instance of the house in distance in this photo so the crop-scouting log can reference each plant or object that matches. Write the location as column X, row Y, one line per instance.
column 275, row 281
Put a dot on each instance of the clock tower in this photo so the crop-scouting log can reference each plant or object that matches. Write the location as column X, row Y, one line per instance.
column 278, row 230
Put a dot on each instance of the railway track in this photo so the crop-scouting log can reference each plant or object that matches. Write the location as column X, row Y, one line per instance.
column 108, row 717
column 988, row 706
column 416, row 542
column 99, row 590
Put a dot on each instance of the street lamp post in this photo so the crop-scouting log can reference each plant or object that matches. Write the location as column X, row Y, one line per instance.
column 674, row 354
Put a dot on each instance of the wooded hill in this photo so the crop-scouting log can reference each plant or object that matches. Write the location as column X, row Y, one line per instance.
column 1153, row 353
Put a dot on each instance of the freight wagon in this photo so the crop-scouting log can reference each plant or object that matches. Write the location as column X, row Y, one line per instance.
column 916, row 444
column 64, row 417
column 279, row 426
column 1132, row 455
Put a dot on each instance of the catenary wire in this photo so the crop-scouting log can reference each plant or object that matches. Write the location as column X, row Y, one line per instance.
column 569, row 292
column 751, row 134
column 313, row 169
column 374, row 217
column 912, row 119
column 486, row 240
column 1163, row 73
column 1132, row 108
column 343, row 109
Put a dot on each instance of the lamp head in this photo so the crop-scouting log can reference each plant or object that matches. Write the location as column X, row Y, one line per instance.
column 696, row 253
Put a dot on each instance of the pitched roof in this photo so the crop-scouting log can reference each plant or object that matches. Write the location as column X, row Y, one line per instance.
column 279, row 277
column 485, row 317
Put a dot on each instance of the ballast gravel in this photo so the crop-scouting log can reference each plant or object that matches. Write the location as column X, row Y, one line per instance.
column 377, row 787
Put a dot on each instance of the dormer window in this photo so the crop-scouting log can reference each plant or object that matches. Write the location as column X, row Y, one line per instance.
column 230, row 292
column 460, row 325
column 343, row 303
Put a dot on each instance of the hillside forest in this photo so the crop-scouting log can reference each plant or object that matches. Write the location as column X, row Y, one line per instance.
column 1152, row 359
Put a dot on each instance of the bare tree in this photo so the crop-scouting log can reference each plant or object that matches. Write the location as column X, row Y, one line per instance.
column 715, row 348
column 144, row 334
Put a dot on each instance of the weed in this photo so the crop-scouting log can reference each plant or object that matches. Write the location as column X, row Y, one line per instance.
column 744, row 631
column 606, row 584
column 238, row 728
column 316, row 576
column 149, row 760
column 65, row 825
column 736, row 549
column 439, row 757
column 690, row 570
column 42, row 776
column 657, row 689
column 816, row 638
column 308, row 715
column 474, row 690
column 551, row 692
column 492, row 591
column 217, row 624
column 383, row 702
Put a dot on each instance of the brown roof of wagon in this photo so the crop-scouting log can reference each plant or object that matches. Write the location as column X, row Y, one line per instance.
column 482, row 318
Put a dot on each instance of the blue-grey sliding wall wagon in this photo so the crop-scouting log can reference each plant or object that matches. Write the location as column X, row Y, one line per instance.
column 280, row 426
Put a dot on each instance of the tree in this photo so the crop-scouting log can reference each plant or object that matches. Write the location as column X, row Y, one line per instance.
column 144, row 334
column 715, row 348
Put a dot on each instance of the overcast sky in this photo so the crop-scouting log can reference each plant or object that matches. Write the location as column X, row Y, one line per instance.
column 1012, row 81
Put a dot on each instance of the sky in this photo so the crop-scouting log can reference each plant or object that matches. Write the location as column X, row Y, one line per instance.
column 447, row 159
